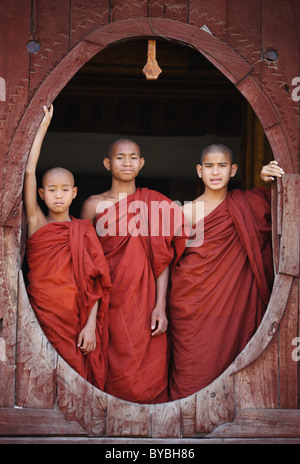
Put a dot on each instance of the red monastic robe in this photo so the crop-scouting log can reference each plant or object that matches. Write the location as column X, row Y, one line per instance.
column 68, row 273
column 220, row 290
column 137, row 253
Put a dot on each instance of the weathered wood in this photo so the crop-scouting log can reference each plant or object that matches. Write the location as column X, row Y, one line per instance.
column 14, row 69
column 256, row 386
column 215, row 403
column 289, row 246
column 125, row 9
column 188, row 416
column 150, row 442
column 18, row 421
column 177, row 11
column 36, row 359
column 269, row 324
column 277, row 76
column 288, row 366
column 266, row 377
column 165, row 420
column 262, row 423
column 211, row 14
column 216, row 51
column 9, row 264
column 86, row 17
column 50, row 21
column 127, row 419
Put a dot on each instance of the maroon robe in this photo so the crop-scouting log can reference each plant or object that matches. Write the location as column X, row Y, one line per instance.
column 68, row 274
column 137, row 362
column 220, row 290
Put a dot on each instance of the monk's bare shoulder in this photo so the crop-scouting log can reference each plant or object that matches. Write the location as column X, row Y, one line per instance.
column 193, row 210
column 89, row 207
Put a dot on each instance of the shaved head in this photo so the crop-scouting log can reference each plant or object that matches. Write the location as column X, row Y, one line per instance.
column 119, row 141
column 220, row 148
column 58, row 171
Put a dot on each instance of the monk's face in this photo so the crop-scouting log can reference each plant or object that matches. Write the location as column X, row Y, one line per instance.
column 216, row 170
column 125, row 161
column 58, row 191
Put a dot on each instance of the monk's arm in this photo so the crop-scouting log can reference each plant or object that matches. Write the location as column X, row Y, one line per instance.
column 159, row 321
column 30, row 185
column 87, row 337
column 88, row 210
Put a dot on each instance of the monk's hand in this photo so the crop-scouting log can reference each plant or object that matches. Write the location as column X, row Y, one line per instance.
column 48, row 113
column 87, row 339
column 270, row 171
column 159, row 321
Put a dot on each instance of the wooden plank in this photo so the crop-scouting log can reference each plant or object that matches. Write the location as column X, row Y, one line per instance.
column 165, row 442
column 257, row 385
column 14, row 69
column 36, row 359
column 165, row 420
column 243, row 32
column 289, row 246
column 210, row 14
column 280, row 33
column 188, row 416
column 288, row 366
column 51, row 30
column 121, row 9
column 259, row 102
column 281, row 151
column 74, row 396
column 127, row 419
column 268, row 327
column 215, row 404
column 86, row 17
column 276, row 228
column 18, row 421
column 121, row 30
column 178, row 11
column 262, row 423
column 217, row 52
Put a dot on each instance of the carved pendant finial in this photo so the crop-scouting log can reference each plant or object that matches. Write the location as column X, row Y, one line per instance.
column 151, row 68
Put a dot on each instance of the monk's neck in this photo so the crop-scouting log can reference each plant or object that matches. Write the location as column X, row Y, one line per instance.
column 54, row 217
column 214, row 196
column 122, row 189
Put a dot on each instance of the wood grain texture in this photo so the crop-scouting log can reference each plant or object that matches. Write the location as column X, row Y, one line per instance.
column 262, row 423
column 264, row 377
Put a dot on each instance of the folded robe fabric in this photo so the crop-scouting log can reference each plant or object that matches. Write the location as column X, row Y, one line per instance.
column 137, row 252
column 220, row 290
column 68, row 274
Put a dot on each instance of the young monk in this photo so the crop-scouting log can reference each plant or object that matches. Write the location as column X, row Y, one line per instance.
column 68, row 275
column 139, row 257
column 220, row 289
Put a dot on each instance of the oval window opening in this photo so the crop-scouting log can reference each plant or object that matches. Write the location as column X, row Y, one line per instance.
column 190, row 105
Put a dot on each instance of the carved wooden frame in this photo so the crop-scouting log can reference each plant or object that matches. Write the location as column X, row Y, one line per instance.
column 91, row 411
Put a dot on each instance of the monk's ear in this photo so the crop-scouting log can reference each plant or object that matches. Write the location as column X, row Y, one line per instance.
column 106, row 163
column 234, row 168
column 75, row 190
column 142, row 162
column 41, row 193
column 199, row 169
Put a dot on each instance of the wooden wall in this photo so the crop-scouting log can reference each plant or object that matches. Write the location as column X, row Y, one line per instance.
column 256, row 45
